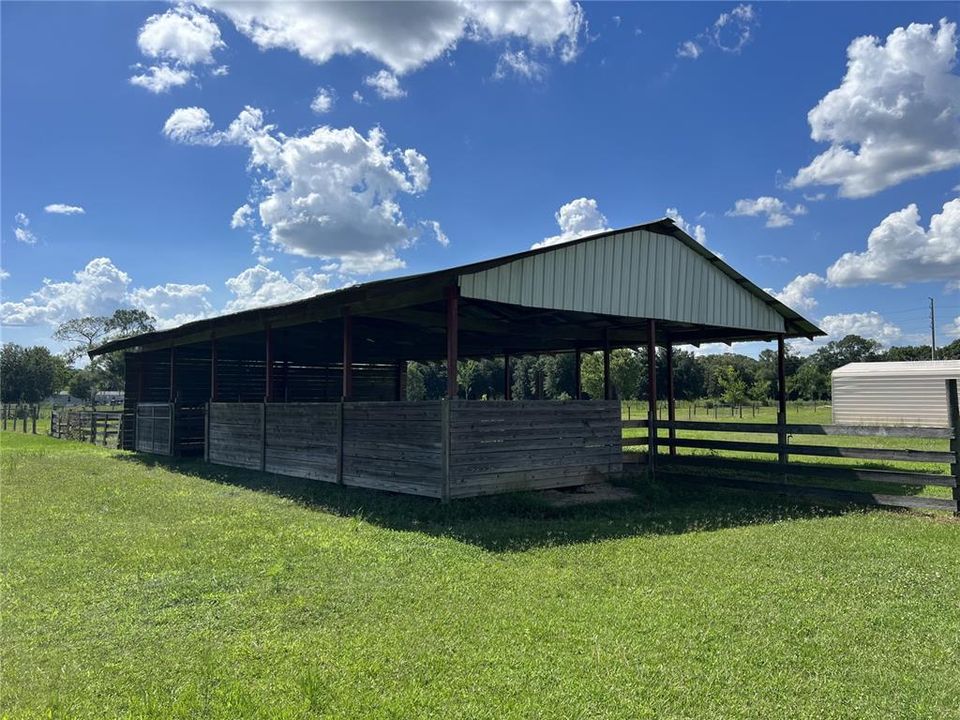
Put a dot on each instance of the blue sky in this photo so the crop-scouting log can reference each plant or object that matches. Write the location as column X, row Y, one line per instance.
column 456, row 132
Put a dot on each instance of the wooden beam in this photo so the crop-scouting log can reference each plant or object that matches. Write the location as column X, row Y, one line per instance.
column 398, row 370
column 214, row 386
column 671, row 400
column 347, row 383
column 606, row 366
column 268, row 364
column 452, row 295
column 577, row 381
column 173, row 375
column 507, row 378
column 781, row 400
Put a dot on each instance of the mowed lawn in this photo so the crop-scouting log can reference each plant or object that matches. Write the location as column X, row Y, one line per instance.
column 135, row 589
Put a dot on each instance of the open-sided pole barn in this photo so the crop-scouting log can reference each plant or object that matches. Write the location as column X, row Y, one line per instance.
column 315, row 388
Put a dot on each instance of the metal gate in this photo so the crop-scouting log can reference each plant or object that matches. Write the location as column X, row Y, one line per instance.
column 155, row 428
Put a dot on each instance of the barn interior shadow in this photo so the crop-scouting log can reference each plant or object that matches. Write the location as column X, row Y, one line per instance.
column 521, row 521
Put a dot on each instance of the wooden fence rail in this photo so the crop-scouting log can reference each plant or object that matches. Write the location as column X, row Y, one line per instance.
column 25, row 414
column 784, row 452
column 94, row 427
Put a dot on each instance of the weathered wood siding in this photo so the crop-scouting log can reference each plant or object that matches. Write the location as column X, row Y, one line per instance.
column 393, row 446
column 301, row 440
column 235, row 434
column 479, row 448
column 504, row 446
column 638, row 274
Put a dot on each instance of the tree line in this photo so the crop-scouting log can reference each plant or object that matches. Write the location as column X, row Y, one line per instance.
column 31, row 374
column 730, row 378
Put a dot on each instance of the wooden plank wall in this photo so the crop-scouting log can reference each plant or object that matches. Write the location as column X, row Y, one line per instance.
column 235, row 434
column 442, row 449
column 393, row 446
column 302, row 440
column 504, row 446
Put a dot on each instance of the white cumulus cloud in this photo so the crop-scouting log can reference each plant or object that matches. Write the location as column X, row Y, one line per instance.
column 798, row 293
column 259, row 285
column 331, row 193
column 190, row 126
column 99, row 289
column 160, row 78
column 403, row 36
column 777, row 212
column 180, row 35
column 900, row 250
column 578, row 218
column 386, row 85
column 177, row 40
column 895, row 115
column 173, row 303
column 64, row 209
column 871, row 325
column 323, row 101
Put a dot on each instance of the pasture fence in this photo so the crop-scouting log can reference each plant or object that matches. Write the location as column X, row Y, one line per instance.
column 715, row 468
column 97, row 427
column 23, row 413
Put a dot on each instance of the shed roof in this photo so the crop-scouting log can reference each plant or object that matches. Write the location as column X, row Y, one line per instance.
column 609, row 281
column 944, row 369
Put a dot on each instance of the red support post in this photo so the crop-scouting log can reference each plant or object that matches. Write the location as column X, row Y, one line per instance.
column 453, row 316
column 671, row 400
column 214, row 388
column 652, row 392
column 173, row 375
column 268, row 362
column 347, row 389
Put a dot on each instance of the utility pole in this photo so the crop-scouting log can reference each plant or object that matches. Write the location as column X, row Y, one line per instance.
column 933, row 332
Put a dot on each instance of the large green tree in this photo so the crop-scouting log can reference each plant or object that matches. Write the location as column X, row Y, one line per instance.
column 810, row 382
column 29, row 374
column 851, row 348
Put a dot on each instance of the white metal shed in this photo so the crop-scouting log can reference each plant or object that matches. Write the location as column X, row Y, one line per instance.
column 893, row 393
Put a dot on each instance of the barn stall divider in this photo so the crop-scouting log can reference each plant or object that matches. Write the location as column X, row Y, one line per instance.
column 443, row 449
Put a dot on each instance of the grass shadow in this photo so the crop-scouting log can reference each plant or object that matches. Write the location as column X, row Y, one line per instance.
column 519, row 521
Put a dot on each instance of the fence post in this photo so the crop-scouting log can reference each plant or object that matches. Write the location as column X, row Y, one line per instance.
column 24, row 420
column 3, row 413
column 33, row 418
column 953, row 407
column 445, row 450
column 652, row 442
column 93, row 428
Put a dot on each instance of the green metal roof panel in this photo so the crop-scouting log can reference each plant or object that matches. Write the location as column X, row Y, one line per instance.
column 635, row 273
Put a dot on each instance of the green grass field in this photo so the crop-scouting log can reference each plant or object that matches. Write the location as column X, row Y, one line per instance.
column 141, row 589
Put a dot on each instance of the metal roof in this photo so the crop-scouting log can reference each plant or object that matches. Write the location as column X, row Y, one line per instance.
column 934, row 369
column 652, row 270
